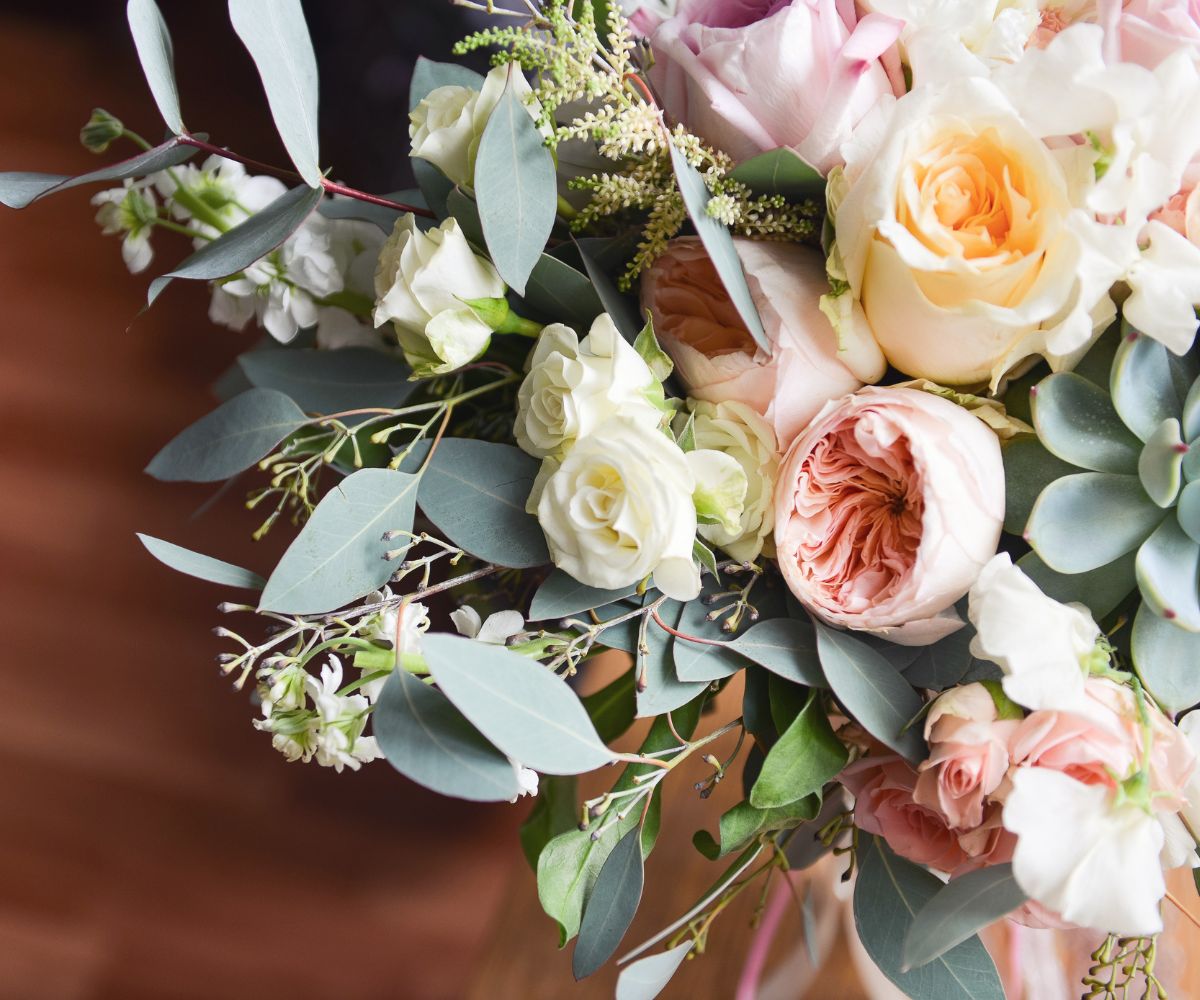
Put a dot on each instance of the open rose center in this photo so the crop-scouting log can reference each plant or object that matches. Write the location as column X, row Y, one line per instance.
column 695, row 309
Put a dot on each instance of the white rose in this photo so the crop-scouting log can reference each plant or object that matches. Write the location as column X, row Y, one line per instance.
column 619, row 508
column 573, row 387
column 422, row 284
column 447, row 125
column 738, row 431
column 1043, row 647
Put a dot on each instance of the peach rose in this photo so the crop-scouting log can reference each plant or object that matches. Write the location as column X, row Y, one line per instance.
column 886, row 509
column 714, row 354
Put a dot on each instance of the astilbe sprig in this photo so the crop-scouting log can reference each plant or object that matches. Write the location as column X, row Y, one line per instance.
column 590, row 88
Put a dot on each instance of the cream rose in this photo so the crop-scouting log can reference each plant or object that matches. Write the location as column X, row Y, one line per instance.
column 957, row 235
column 573, row 386
column 619, row 508
column 716, row 357
column 422, row 284
column 447, row 125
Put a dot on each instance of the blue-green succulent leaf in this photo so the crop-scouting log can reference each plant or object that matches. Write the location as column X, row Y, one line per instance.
column 1168, row 566
column 1160, row 466
column 1167, row 658
column 1076, row 421
column 1188, row 511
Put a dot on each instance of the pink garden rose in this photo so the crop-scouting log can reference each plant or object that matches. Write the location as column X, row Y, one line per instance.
column 753, row 75
column 886, row 509
column 1151, row 30
column 714, row 354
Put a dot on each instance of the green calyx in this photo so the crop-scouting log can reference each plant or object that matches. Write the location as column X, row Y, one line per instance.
column 500, row 318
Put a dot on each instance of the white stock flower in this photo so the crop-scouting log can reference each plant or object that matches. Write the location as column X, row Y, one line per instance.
column 574, row 386
column 130, row 209
column 1044, row 648
column 619, row 508
column 355, row 246
column 951, row 31
column 403, row 626
column 222, row 187
column 448, row 123
column 738, row 431
column 527, row 780
column 422, row 284
column 496, row 630
column 339, row 740
column 1086, row 853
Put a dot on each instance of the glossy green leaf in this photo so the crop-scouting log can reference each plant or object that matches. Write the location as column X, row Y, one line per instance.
column 154, row 49
column 1167, row 658
column 659, row 688
column 339, row 554
column 561, row 596
column 1087, row 520
column 1148, row 383
column 744, row 822
column 888, row 895
column 719, row 243
column 1076, row 421
column 621, row 308
column 524, row 709
column 427, row 739
column 872, row 691
column 960, row 910
column 1160, row 466
column 475, row 493
column 806, row 756
column 201, row 566
column 515, row 188
column 648, row 977
column 1028, row 469
column 20, row 188
column 276, row 35
column 554, row 812
column 330, row 381
column 557, row 293
column 1168, row 573
column 612, row 708
column 229, row 439
column 783, row 172
column 1100, row 589
column 250, row 241
column 428, row 75
column 786, row 647
column 610, row 906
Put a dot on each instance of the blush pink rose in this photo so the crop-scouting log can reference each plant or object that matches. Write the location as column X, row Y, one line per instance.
column 714, row 354
column 753, row 75
column 886, row 509
column 882, row 787
column 1152, row 30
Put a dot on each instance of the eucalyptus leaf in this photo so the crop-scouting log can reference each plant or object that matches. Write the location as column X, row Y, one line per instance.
column 786, row 647
column 648, row 977
column 466, row 213
column 620, row 308
column 554, row 812
column 428, row 75
column 659, row 688
column 611, row 906
column 339, row 554
column 229, row 439
column 157, row 55
column 276, row 35
column 872, row 691
column 718, row 242
column 330, row 381
column 248, row 242
column 702, row 661
column 515, row 188
column 944, row 663
column 557, row 293
column 561, row 596
column 427, row 739
column 475, row 492
column 888, row 895
column 1076, row 421
column 806, row 756
column 782, row 172
column 524, row 709
column 612, row 708
column 959, row 910
column 201, row 566
column 434, row 186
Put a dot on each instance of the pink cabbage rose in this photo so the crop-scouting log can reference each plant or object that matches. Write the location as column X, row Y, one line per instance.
column 1151, row 30
column 714, row 354
column 753, row 75
column 886, row 509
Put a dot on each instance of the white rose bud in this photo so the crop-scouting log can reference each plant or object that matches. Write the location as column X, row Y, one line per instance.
column 573, row 386
column 744, row 436
column 447, row 125
column 619, row 508
column 422, row 285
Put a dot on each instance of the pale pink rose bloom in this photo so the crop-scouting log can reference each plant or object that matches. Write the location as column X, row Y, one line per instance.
column 1138, row 31
column 886, row 509
column 882, row 787
column 753, row 75
column 714, row 354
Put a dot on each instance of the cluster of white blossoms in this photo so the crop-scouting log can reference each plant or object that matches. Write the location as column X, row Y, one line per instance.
column 319, row 278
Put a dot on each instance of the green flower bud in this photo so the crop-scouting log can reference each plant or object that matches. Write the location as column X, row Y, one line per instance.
column 101, row 130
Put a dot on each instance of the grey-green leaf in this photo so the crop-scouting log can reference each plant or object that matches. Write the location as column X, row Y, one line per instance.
column 201, row 566
column 1148, row 383
column 276, row 35
column 659, row 688
column 620, row 308
column 561, row 596
column 1101, row 589
column 330, row 381
column 872, row 691
column 611, row 906
column 339, row 554
column 554, row 812
column 1168, row 572
column 719, row 244
column 700, row 661
column 515, row 189
column 944, row 663
column 524, row 709
column 959, row 910
column 612, row 708
column 807, row 755
column 154, row 49
column 1076, row 421
column 888, row 895
column 785, row 647
column 556, row 292
column 1160, row 465
column 1167, row 658
column 229, row 439
column 245, row 243
column 648, row 977
column 427, row 739
column 1028, row 469
column 475, row 492
column 783, row 172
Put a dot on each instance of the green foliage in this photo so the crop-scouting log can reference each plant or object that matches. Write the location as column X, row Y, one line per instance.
column 330, row 381
column 786, row 647
column 612, row 708
column 561, row 596
column 648, row 977
column 553, row 813
column 744, row 822
column 806, row 756
column 201, row 566
column 611, row 905
column 157, row 55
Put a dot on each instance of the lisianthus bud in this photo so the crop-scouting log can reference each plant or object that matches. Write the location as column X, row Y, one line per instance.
column 101, row 131
column 720, row 493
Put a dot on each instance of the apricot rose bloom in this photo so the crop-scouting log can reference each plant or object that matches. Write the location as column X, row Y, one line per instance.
column 887, row 508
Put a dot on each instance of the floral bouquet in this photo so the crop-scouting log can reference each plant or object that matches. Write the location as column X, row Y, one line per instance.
column 831, row 362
